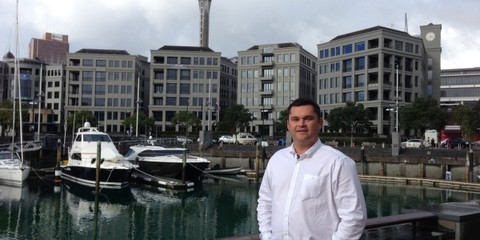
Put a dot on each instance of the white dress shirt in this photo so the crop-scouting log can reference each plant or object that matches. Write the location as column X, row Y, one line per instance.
column 316, row 195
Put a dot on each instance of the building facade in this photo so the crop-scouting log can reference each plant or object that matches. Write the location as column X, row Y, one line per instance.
column 460, row 86
column 228, row 84
column 109, row 83
column 52, row 48
column 365, row 67
column 185, row 78
column 271, row 76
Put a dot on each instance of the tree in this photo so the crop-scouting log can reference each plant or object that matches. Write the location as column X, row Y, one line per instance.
column 186, row 120
column 145, row 123
column 468, row 119
column 80, row 118
column 236, row 116
column 6, row 116
column 281, row 123
column 423, row 114
column 350, row 119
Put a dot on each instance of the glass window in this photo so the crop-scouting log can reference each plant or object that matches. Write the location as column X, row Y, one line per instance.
column 185, row 60
column 184, row 74
column 359, row 46
column 171, row 74
column 101, row 63
column 100, row 76
column 184, row 88
column 87, row 89
column 86, row 101
column 171, row 88
column 172, row 60
column 87, row 76
column 88, row 62
column 100, row 89
column 347, row 82
column 171, row 101
column 347, row 49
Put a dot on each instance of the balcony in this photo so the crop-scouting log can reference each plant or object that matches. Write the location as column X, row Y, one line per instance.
column 266, row 63
column 266, row 78
column 266, row 92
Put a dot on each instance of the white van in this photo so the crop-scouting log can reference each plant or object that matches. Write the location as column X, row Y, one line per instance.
column 429, row 135
column 245, row 138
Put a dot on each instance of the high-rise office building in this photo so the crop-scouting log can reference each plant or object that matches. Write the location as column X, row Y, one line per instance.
column 365, row 66
column 52, row 48
column 184, row 78
column 108, row 83
column 270, row 76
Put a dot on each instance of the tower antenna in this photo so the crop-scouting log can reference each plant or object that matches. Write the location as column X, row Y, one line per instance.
column 204, row 21
column 406, row 23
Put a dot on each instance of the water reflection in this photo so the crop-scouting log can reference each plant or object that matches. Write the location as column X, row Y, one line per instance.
column 215, row 209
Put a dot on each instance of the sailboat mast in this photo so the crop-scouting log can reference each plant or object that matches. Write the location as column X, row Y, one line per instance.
column 15, row 77
column 17, row 87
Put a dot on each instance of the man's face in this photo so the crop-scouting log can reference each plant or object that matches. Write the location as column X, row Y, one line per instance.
column 304, row 124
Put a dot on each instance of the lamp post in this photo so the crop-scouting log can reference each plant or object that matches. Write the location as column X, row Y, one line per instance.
column 396, row 134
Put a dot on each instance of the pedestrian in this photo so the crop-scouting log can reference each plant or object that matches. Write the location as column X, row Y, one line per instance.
column 310, row 190
column 432, row 142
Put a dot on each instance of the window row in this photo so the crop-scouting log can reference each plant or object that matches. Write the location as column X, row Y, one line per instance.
column 208, row 61
column 110, row 102
column 371, row 44
column 257, row 59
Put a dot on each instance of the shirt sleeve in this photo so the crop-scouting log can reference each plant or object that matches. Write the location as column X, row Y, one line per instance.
column 264, row 208
column 350, row 202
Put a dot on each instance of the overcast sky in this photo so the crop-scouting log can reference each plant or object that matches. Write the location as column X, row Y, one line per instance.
column 139, row 26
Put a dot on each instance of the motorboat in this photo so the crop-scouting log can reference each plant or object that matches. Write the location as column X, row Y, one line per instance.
column 166, row 162
column 81, row 167
column 12, row 170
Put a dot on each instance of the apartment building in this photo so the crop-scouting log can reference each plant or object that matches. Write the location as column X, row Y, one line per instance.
column 186, row 78
column 460, row 86
column 110, row 83
column 365, row 67
column 270, row 76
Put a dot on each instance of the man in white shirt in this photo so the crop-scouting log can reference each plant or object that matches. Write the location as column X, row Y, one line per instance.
column 310, row 190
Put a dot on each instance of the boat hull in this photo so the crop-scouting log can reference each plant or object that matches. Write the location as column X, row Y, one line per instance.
column 109, row 178
column 193, row 171
column 14, row 175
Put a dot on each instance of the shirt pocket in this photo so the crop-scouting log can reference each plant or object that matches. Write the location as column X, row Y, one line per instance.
column 312, row 187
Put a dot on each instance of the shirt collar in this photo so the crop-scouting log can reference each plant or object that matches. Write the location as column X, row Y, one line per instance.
column 308, row 153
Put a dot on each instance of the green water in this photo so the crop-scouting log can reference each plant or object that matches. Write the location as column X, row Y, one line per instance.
column 214, row 209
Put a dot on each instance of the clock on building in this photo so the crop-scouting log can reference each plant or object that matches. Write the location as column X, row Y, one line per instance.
column 430, row 36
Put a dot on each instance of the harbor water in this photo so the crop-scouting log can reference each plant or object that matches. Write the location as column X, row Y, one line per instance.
column 214, row 208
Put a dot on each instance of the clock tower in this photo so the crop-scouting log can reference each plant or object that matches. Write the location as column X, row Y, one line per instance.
column 431, row 36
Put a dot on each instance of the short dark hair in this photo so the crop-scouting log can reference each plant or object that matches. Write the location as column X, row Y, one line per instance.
column 305, row 101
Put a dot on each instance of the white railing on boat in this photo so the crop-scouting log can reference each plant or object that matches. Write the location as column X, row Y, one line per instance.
column 27, row 146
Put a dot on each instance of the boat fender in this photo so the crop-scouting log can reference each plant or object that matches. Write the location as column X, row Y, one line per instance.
column 93, row 160
column 137, row 159
column 102, row 160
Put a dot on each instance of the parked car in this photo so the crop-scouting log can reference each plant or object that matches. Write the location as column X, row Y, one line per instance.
column 226, row 139
column 183, row 139
column 415, row 143
column 245, row 138
column 454, row 143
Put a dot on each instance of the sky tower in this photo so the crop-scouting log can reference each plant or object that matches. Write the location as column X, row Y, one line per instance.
column 204, row 21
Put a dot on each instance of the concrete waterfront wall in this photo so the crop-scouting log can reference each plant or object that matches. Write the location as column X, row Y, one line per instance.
column 436, row 163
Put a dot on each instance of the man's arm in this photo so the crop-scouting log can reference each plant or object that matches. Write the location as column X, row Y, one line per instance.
column 264, row 208
column 350, row 203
